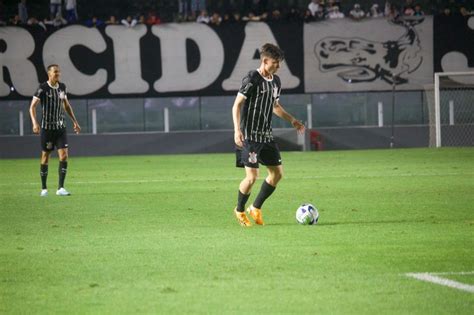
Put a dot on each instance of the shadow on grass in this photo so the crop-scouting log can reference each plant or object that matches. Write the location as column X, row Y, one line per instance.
column 373, row 222
column 356, row 222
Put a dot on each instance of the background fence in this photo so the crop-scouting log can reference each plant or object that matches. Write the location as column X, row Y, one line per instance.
column 214, row 113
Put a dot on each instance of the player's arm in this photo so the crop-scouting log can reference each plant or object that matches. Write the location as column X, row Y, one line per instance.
column 70, row 112
column 282, row 113
column 34, row 102
column 236, row 109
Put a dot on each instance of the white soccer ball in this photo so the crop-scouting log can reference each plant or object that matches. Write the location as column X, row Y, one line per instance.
column 307, row 214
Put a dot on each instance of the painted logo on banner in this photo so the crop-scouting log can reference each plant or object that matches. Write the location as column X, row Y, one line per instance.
column 361, row 60
column 370, row 55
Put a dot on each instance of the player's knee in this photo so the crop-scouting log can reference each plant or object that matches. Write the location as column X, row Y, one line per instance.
column 44, row 158
column 63, row 155
column 275, row 177
column 278, row 176
column 252, row 179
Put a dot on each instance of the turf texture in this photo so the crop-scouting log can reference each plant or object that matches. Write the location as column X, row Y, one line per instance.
column 156, row 234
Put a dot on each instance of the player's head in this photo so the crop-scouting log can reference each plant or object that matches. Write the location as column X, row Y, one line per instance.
column 53, row 73
column 271, row 56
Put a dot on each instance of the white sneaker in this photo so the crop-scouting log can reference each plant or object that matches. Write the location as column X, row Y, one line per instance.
column 44, row 193
column 62, row 192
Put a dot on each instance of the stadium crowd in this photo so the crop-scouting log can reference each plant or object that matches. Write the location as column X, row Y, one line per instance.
column 63, row 12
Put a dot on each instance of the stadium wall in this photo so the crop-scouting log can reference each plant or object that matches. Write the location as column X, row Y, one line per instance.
column 215, row 141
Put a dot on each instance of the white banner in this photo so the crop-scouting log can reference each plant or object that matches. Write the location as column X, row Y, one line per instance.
column 345, row 55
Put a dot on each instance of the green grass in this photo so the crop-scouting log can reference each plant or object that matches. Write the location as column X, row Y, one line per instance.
column 156, row 234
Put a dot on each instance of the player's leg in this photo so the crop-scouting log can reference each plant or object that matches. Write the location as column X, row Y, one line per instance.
column 251, row 176
column 62, row 170
column 245, row 187
column 270, row 156
column 44, row 172
column 275, row 173
column 46, row 147
column 63, row 156
column 248, row 157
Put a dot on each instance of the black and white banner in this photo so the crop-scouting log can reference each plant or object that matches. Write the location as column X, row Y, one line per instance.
column 196, row 59
column 369, row 55
column 164, row 60
column 454, row 46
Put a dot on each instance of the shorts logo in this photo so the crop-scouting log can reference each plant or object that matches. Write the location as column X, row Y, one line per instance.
column 49, row 145
column 253, row 157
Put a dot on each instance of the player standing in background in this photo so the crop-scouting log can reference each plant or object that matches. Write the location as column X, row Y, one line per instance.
column 52, row 95
column 257, row 100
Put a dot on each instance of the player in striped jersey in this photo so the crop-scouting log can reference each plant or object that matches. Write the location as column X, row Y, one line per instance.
column 257, row 100
column 52, row 95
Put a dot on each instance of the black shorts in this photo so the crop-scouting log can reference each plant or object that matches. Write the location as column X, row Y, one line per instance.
column 51, row 139
column 253, row 153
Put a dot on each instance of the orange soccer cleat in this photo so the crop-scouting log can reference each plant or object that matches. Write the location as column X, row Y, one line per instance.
column 242, row 218
column 256, row 215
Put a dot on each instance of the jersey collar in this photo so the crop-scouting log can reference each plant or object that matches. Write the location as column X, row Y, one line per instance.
column 269, row 80
column 55, row 86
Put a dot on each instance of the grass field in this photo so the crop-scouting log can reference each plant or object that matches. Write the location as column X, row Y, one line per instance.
column 156, row 234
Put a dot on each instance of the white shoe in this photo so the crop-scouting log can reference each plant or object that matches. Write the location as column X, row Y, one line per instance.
column 62, row 192
column 44, row 193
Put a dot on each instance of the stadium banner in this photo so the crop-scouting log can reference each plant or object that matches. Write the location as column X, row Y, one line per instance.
column 454, row 46
column 162, row 60
column 368, row 55
column 191, row 59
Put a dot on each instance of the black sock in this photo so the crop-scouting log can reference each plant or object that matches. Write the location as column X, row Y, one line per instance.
column 241, row 201
column 265, row 191
column 44, row 175
column 62, row 173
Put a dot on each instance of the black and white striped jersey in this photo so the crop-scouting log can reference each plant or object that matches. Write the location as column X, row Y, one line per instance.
column 256, row 115
column 52, row 99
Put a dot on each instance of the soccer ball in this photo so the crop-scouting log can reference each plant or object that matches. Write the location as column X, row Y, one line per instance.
column 307, row 214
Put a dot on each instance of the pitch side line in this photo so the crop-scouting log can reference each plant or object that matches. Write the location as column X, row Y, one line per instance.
column 432, row 277
column 462, row 273
column 226, row 179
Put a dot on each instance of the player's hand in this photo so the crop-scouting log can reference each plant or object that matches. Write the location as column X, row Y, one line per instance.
column 77, row 128
column 36, row 128
column 239, row 138
column 299, row 126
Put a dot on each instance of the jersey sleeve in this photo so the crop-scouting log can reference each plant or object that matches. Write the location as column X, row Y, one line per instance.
column 277, row 89
column 39, row 92
column 248, row 85
column 64, row 93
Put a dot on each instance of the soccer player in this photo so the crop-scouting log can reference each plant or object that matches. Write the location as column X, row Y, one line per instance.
column 52, row 95
column 256, row 101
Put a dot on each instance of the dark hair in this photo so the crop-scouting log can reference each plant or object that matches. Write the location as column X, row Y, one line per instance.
column 51, row 66
column 272, row 51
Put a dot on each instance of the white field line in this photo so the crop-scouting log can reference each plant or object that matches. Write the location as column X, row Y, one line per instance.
column 461, row 273
column 432, row 277
column 226, row 179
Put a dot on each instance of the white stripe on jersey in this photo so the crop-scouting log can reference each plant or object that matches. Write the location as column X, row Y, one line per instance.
column 268, row 104
column 254, row 111
column 55, row 107
column 262, row 112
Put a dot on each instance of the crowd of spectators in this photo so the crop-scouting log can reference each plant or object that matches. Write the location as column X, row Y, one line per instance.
column 64, row 12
